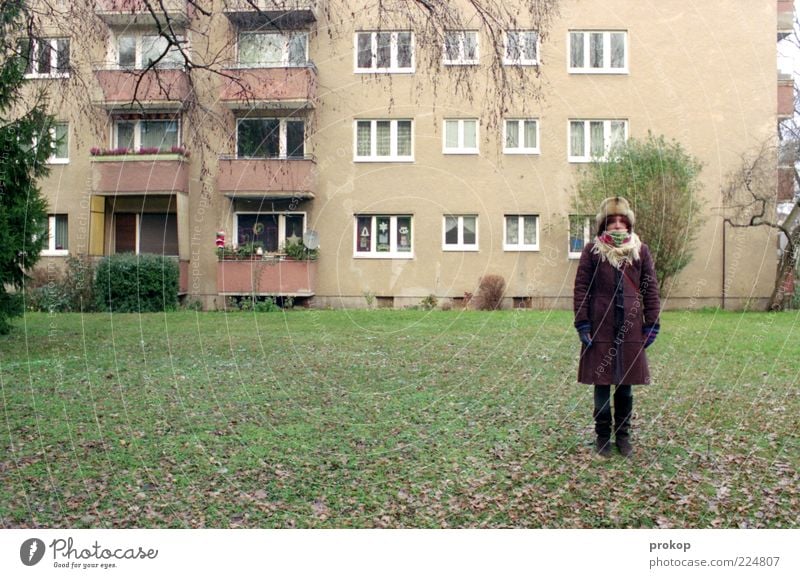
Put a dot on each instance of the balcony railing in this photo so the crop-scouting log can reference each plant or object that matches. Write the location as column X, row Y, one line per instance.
column 154, row 88
column 250, row 14
column 785, row 96
column 280, row 177
column 267, row 277
column 286, row 88
column 137, row 12
column 140, row 174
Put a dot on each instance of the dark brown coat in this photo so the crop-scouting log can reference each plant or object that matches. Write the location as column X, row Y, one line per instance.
column 617, row 354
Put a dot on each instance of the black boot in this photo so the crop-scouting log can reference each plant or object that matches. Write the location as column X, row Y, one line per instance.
column 602, row 419
column 623, row 408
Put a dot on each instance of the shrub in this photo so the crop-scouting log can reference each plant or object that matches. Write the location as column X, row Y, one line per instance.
column 53, row 290
column 490, row 292
column 428, row 303
column 136, row 283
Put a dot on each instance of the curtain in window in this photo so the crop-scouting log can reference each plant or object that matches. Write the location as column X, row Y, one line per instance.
column 470, row 230
column 159, row 134
column 62, row 55
column 262, row 230
column 530, row 134
column 529, row 46
column 156, row 49
column 404, row 234
column 576, row 49
column 365, row 50
column 383, row 225
column 617, row 133
column 384, row 49
column 404, row 50
column 404, row 138
column 125, row 132
column 512, row 230
column 513, row 51
column 596, row 50
column 451, row 45
column 364, row 234
column 294, row 229
column 512, row 134
column 158, row 233
column 258, row 49
column 61, row 233
column 451, row 230
column 470, row 134
column 617, row 50
column 529, row 231
column 451, row 134
column 577, row 144
column 364, row 138
column 471, row 45
column 62, row 141
column 597, row 141
column 126, row 51
column 297, row 49
column 384, row 138
column 43, row 56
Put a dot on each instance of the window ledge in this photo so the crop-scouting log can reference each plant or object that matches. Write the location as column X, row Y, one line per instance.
column 58, row 161
column 36, row 76
column 381, row 71
column 405, row 256
column 521, row 249
column 461, row 249
column 524, row 152
column 383, row 160
column 617, row 71
column 55, row 253
column 454, row 152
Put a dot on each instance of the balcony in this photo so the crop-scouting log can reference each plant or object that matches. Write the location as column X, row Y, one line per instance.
column 785, row 15
column 140, row 174
column 155, row 88
column 268, row 178
column 253, row 14
column 785, row 96
column 136, row 12
column 291, row 88
column 267, row 277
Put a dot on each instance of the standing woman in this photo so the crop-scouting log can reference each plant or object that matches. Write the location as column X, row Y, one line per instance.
column 617, row 317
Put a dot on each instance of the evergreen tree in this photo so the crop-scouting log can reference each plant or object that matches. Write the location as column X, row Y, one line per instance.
column 25, row 145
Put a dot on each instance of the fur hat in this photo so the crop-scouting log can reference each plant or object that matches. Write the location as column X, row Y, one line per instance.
column 614, row 206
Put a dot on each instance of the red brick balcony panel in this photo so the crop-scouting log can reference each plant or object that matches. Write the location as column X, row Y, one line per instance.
column 293, row 86
column 267, row 176
column 150, row 87
column 132, row 175
column 785, row 97
column 267, row 277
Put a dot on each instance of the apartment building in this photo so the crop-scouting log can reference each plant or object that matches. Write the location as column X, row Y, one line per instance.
column 295, row 118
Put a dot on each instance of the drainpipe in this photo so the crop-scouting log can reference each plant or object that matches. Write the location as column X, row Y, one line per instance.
column 723, row 263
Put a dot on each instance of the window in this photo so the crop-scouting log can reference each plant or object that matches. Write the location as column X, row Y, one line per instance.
column 265, row 50
column 46, row 57
column 579, row 234
column 521, row 137
column 593, row 139
column 460, row 233
column 383, row 236
column 384, row 52
column 598, row 52
column 269, row 231
column 57, row 236
column 145, row 50
column 460, row 136
column 139, row 233
column 270, row 138
column 521, row 47
column 384, row 140
column 461, row 47
column 521, row 233
column 156, row 135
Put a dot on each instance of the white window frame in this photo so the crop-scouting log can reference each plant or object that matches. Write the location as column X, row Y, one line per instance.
column 282, row 146
column 285, row 63
column 520, row 245
column 393, row 253
column 521, row 149
column 461, row 59
column 51, row 250
column 587, row 144
column 137, row 131
column 606, row 68
column 587, row 234
column 373, row 157
column 460, row 245
column 34, row 44
column 521, row 61
column 138, row 62
column 393, row 68
column 281, row 225
column 461, row 149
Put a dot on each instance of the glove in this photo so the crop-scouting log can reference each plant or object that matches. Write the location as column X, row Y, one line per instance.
column 584, row 329
column 649, row 334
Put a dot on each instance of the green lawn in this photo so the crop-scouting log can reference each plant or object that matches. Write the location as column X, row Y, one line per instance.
column 389, row 419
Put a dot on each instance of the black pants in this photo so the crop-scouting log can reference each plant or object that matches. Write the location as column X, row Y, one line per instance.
column 623, row 407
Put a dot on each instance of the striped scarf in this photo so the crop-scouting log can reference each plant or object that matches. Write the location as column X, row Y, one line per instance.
column 617, row 254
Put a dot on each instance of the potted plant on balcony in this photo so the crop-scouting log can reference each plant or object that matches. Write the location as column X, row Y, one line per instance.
column 297, row 251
